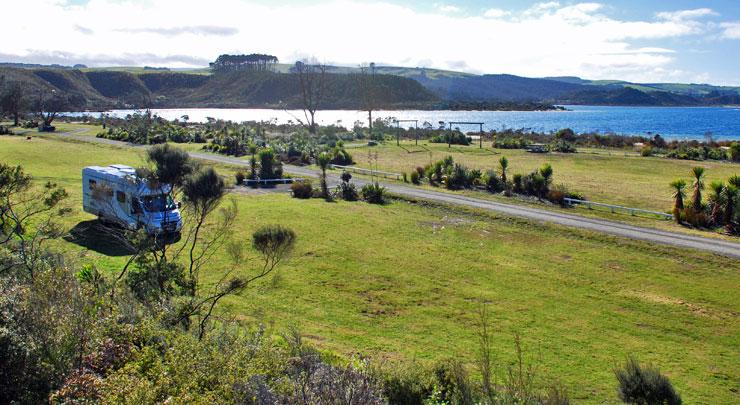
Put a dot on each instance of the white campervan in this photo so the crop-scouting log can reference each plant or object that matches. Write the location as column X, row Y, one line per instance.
column 115, row 194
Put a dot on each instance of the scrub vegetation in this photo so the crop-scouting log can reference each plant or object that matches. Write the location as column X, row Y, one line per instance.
column 401, row 302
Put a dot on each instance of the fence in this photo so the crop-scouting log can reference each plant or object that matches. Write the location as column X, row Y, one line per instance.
column 631, row 211
column 371, row 172
column 249, row 182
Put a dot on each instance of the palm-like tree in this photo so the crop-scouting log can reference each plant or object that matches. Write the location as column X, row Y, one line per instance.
column 504, row 162
column 731, row 194
column 323, row 161
column 716, row 201
column 698, row 173
column 679, row 193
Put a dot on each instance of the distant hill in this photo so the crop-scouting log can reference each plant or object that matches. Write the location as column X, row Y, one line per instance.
column 402, row 87
column 111, row 88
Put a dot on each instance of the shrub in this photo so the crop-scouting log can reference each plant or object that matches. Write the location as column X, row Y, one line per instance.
column 373, row 193
column 518, row 181
column 420, row 170
column 455, row 138
column 563, row 147
column 347, row 190
column 302, row 189
column 270, row 166
column 647, row 150
column 459, row 177
column 405, row 177
column 240, row 176
column 415, row 177
column 735, row 152
column 5, row 130
column 645, row 385
column 494, row 183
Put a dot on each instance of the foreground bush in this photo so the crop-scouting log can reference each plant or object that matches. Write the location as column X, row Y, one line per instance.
column 302, row 189
column 373, row 193
column 645, row 385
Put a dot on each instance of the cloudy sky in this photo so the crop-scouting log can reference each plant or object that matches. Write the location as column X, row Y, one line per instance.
column 638, row 40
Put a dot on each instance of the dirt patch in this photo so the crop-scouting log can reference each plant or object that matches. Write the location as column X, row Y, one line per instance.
column 693, row 308
column 447, row 221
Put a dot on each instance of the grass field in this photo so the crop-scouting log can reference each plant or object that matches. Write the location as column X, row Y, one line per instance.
column 405, row 281
column 612, row 177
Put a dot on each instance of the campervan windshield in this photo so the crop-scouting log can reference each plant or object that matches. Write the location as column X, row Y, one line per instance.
column 156, row 203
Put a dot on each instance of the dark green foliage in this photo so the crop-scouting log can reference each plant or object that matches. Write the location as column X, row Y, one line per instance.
column 373, row 193
column 273, row 240
column 735, row 152
column 171, row 165
column 204, row 189
column 341, row 157
column 645, row 385
column 566, row 135
column 461, row 177
column 239, row 177
column 302, row 189
column 270, row 165
column 518, row 181
column 415, row 177
column 511, row 143
column 453, row 138
column 563, row 147
column 346, row 190
column 494, row 183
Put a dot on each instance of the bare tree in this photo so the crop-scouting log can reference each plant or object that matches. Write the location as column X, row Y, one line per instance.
column 312, row 79
column 48, row 105
column 368, row 87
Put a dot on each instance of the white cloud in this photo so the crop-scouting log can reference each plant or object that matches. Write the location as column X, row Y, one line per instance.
column 495, row 13
column 681, row 15
column 448, row 8
column 731, row 30
column 546, row 40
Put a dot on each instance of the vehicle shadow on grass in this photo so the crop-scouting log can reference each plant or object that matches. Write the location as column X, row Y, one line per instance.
column 104, row 239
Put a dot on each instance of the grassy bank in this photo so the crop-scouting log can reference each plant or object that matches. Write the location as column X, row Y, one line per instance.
column 610, row 176
column 405, row 281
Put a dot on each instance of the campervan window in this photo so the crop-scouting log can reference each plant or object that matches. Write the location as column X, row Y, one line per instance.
column 91, row 184
column 156, row 203
column 121, row 197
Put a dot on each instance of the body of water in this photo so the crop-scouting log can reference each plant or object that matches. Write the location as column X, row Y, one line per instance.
column 669, row 122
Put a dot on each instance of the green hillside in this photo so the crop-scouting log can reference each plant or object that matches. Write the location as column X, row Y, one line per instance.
column 133, row 87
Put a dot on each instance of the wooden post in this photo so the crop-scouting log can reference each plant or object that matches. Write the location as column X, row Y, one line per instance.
column 480, row 137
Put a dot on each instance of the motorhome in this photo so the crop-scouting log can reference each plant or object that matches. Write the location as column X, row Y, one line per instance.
column 117, row 195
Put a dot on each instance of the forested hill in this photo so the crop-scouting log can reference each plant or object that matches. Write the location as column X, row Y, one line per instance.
column 101, row 89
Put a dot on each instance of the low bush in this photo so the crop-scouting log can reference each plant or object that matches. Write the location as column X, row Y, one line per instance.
column 239, row 177
column 30, row 124
column 5, row 130
column 455, row 138
column 494, row 183
column 374, row 193
column 415, row 177
column 645, row 385
column 302, row 189
column 735, row 152
column 347, row 190
column 563, row 147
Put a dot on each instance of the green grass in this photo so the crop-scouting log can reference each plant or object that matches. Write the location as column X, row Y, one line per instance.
column 612, row 177
column 404, row 282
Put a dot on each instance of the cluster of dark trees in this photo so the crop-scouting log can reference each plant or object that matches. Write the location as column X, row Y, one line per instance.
column 16, row 102
column 253, row 62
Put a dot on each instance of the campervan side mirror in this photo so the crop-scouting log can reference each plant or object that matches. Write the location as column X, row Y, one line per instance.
column 179, row 205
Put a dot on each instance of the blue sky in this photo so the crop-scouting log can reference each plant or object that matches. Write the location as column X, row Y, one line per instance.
column 637, row 40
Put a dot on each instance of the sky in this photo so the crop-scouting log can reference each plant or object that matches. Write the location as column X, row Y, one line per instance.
column 636, row 40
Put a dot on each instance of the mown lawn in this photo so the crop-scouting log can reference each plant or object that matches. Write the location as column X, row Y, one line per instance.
column 613, row 177
column 405, row 282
